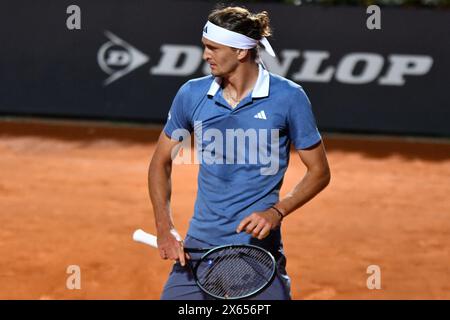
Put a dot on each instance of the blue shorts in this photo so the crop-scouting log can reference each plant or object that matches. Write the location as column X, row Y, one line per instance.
column 181, row 284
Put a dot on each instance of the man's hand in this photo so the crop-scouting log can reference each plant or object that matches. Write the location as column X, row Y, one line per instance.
column 170, row 245
column 259, row 224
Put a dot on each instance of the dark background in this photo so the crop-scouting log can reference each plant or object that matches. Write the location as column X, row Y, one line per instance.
column 48, row 70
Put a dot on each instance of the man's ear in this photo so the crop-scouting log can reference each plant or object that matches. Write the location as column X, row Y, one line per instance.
column 242, row 53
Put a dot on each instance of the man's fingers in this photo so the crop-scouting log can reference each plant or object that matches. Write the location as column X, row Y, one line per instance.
column 264, row 232
column 256, row 231
column 256, row 225
column 251, row 226
column 181, row 255
column 243, row 223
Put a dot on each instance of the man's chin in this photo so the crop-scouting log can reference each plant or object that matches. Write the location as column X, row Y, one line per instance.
column 216, row 73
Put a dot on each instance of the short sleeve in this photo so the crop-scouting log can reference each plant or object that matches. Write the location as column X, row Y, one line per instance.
column 178, row 120
column 302, row 125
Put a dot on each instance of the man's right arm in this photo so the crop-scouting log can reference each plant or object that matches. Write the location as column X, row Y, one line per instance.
column 159, row 184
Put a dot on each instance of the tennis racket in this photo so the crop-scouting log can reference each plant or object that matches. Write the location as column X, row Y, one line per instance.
column 229, row 271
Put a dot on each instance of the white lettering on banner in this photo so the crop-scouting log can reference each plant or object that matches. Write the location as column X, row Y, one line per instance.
column 373, row 63
column 118, row 58
column 171, row 55
column 310, row 68
column 401, row 65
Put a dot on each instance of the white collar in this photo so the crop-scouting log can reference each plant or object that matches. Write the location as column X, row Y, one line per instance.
column 260, row 90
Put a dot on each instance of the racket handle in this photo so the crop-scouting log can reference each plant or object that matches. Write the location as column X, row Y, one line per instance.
column 141, row 236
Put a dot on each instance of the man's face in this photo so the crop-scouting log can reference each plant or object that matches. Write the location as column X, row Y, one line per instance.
column 221, row 59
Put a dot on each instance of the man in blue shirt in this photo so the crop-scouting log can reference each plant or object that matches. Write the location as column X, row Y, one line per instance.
column 243, row 119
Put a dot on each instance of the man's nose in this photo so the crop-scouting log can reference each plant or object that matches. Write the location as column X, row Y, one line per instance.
column 206, row 55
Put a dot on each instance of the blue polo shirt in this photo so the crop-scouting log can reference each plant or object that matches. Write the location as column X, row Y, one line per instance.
column 243, row 151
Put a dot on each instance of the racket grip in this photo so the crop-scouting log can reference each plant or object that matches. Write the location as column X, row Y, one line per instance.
column 141, row 236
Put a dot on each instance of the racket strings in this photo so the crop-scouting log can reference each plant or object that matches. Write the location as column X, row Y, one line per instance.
column 239, row 274
column 235, row 272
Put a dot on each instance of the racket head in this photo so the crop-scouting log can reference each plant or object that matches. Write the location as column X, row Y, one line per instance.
column 234, row 271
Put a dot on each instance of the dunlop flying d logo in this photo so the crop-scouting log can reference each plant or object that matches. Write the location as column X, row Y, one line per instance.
column 118, row 58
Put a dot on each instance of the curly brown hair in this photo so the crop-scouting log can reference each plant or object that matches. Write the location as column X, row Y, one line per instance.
column 241, row 20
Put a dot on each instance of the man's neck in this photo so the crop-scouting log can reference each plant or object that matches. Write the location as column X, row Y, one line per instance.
column 242, row 80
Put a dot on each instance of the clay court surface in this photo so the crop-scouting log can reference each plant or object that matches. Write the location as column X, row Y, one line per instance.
column 73, row 194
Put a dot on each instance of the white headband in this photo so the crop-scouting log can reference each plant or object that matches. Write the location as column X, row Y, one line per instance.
column 233, row 39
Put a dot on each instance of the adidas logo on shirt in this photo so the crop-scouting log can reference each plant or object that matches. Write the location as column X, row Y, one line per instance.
column 261, row 115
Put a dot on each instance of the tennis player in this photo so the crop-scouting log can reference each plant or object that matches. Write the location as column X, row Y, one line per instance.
column 238, row 185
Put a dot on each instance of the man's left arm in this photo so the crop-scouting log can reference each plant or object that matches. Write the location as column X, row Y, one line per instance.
column 317, row 177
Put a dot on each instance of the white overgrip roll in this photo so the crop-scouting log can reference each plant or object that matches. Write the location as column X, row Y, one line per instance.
column 141, row 236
